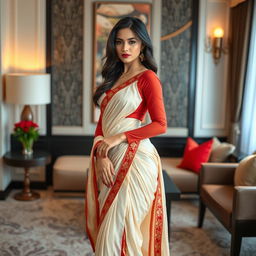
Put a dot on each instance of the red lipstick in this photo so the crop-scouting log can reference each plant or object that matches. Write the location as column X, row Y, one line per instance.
column 125, row 55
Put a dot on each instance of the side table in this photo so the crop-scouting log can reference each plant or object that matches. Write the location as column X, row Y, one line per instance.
column 17, row 159
column 171, row 193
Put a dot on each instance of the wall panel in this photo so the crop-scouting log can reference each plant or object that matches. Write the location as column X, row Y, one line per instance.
column 27, row 36
column 211, row 93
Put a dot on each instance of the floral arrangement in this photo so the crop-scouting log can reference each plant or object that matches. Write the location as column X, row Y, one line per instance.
column 26, row 132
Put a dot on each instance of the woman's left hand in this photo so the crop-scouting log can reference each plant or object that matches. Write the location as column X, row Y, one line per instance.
column 108, row 143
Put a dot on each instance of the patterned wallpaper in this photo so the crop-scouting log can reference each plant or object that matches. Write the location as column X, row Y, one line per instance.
column 175, row 59
column 67, row 62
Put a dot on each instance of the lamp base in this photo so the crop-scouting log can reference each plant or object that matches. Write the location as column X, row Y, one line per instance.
column 26, row 114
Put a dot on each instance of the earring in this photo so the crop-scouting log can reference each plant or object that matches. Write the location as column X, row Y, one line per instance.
column 141, row 56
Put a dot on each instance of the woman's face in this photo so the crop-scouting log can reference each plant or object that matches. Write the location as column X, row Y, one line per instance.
column 128, row 45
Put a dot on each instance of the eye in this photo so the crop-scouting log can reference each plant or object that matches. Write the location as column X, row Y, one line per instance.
column 132, row 42
column 118, row 42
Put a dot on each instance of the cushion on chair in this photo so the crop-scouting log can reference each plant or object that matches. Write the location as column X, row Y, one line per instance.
column 220, row 151
column 219, row 199
column 195, row 155
column 245, row 174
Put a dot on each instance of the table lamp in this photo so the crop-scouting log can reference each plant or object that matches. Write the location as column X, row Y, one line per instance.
column 28, row 89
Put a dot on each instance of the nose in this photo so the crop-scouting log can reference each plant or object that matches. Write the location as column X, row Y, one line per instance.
column 125, row 47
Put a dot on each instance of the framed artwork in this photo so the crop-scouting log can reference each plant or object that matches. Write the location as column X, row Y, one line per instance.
column 106, row 15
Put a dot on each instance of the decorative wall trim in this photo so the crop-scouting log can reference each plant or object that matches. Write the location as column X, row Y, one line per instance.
column 69, row 130
column 178, row 64
column 193, row 69
column 175, row 132
column 14, row 31
column 177, row 32
column 67, row 62
column 48, row 18
column 221, row 1
column 211, row 92
column 36, row 51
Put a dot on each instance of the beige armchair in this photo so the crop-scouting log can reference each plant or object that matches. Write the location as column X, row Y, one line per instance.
column 234, row 207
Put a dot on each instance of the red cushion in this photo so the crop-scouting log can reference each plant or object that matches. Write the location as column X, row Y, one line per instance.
column 195, row 155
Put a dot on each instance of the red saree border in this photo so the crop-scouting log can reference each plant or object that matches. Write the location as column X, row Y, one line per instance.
column 111, row 92
column 95, row 192
column 124, row 245
column 125, row 165
column 156, row 222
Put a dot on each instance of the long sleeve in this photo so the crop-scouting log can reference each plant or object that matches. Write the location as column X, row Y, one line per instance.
column 98, row 131
column 98, row 136
column 151, row 91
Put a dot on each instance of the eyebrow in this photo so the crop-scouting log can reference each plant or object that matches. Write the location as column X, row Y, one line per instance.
column 127, row 39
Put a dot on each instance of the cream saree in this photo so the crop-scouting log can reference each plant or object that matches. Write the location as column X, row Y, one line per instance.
column 128, row 218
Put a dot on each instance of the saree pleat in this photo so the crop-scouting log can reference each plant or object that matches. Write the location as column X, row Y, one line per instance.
column 132, row 215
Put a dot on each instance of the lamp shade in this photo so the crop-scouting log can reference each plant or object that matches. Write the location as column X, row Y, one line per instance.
column 28, row 88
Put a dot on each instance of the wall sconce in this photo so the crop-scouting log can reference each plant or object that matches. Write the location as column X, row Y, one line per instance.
column 214, row 44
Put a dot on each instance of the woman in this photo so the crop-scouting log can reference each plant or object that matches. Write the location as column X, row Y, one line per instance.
column 125, row 203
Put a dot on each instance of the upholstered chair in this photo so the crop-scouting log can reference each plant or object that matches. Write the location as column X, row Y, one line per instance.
column 233, row 206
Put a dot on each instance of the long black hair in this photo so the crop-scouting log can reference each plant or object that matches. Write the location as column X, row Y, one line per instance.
column 113, row 67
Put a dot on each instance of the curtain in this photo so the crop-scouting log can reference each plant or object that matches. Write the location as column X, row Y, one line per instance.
column 240, row 18
column 234, row 3
column 248, row 119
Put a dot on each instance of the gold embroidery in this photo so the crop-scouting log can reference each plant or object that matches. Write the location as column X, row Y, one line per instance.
column 126, row 163
column 158, row 221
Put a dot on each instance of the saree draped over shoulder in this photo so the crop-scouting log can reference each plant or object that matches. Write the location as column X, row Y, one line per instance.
column 129, row 218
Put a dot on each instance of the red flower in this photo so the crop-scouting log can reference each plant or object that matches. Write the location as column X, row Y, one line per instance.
column 26, row 132
column 25, row 125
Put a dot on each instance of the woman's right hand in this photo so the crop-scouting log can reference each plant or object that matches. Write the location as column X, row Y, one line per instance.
column 105, row 170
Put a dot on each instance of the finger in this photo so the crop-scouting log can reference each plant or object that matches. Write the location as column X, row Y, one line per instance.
column 106, row 152
column 102, row 152
column 112, row 173
column 112, row 169
column 110, row 176
column 107, row 180
column 99, row 174
column 98, row 151
column 100, row 147
column 104, row 180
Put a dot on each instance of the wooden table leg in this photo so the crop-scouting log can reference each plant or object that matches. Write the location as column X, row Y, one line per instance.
column 26, row 194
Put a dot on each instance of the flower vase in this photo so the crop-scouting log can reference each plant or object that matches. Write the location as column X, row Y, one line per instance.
column 26, row 132
column 27, row 148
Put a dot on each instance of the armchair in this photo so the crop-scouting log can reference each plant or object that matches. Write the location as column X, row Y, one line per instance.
column 233, row 206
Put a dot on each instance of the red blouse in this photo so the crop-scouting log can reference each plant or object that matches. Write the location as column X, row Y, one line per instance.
column 150, row 90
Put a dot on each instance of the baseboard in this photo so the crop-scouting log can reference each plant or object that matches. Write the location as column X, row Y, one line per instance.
column 33, row 185
column 4, row 193
column 68, row 193
column 40, row 185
